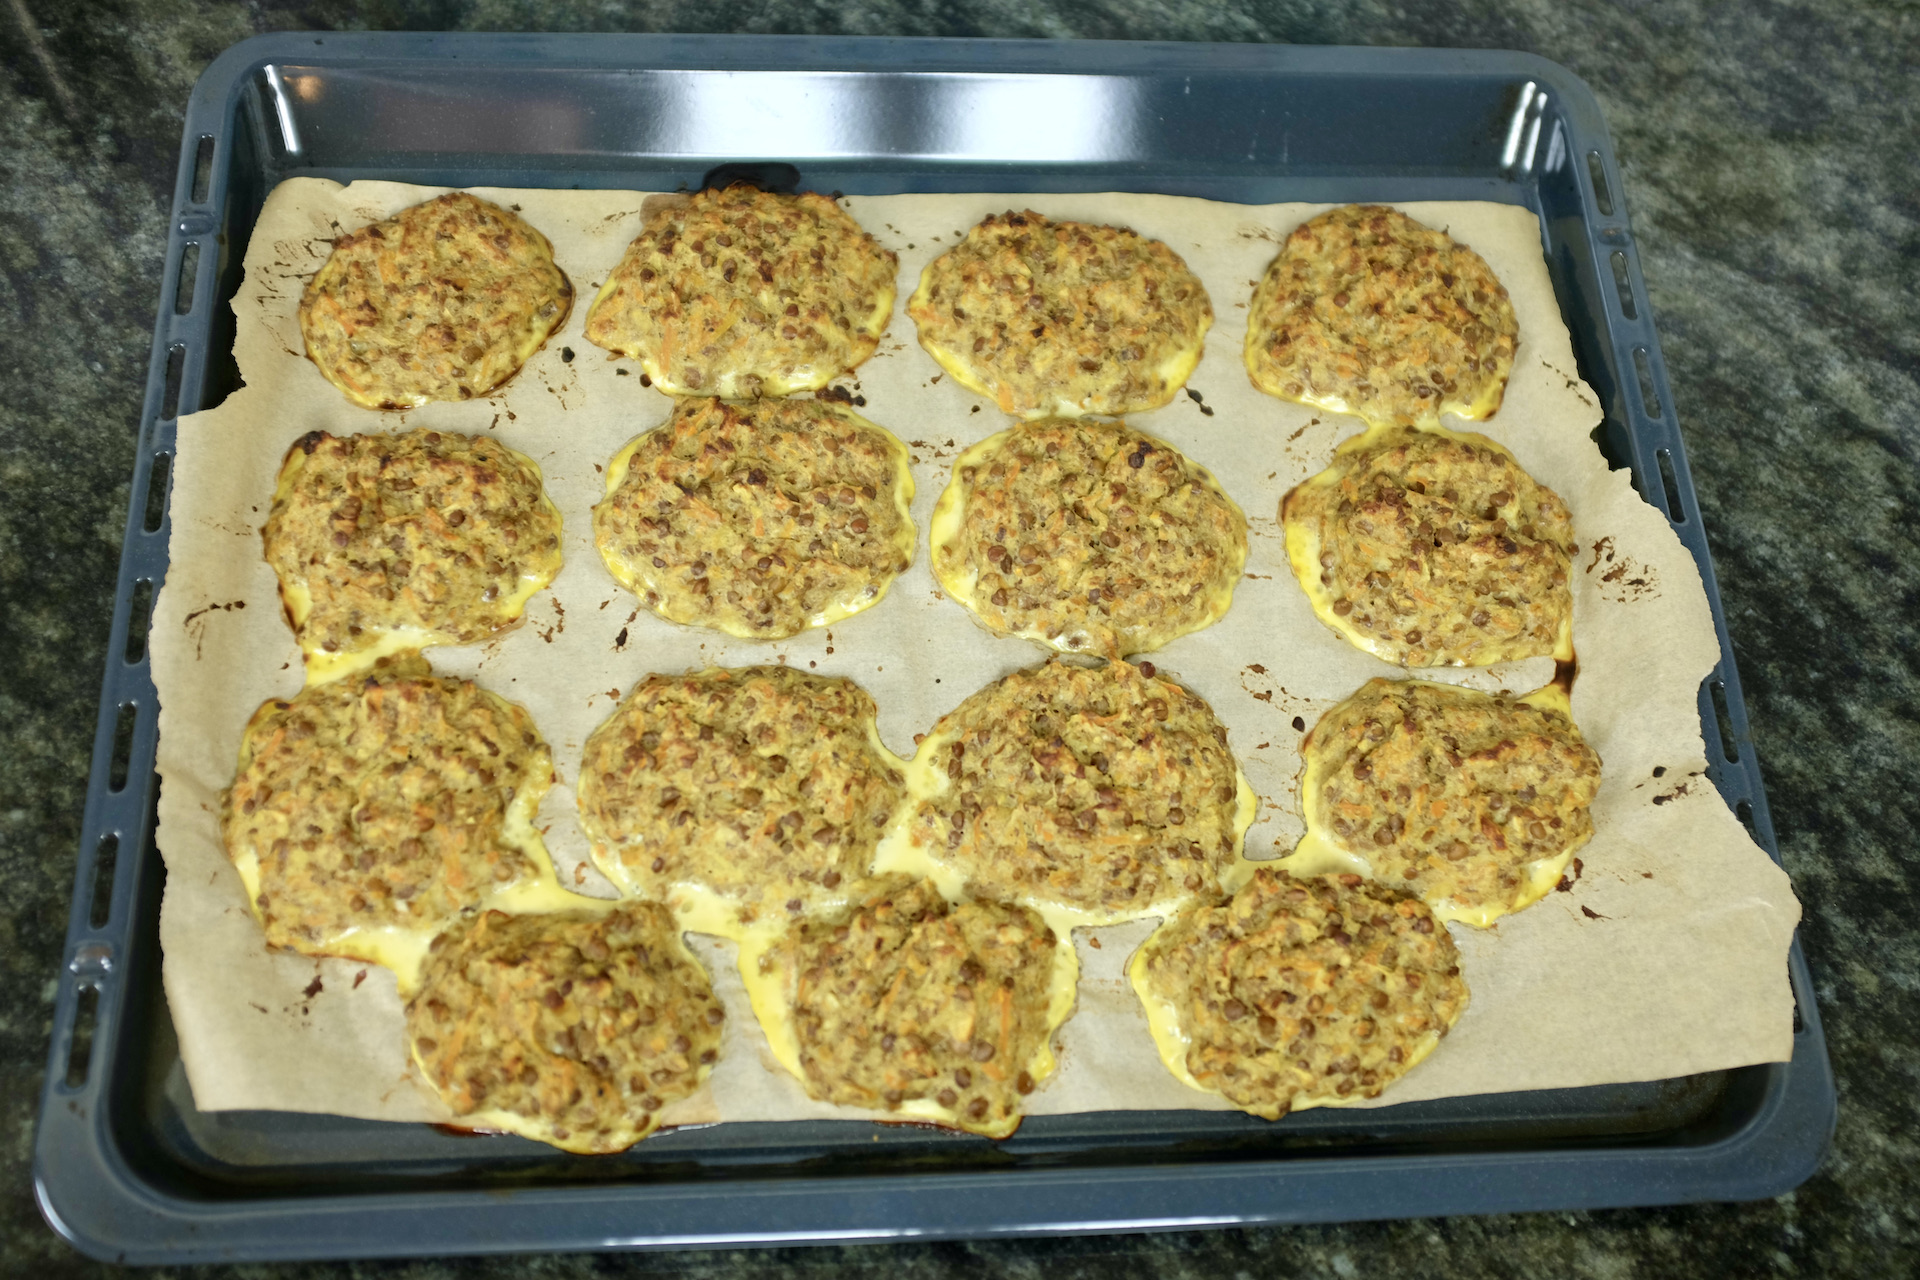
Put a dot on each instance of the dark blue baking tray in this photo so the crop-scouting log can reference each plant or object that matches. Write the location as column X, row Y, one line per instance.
column 127, row 1168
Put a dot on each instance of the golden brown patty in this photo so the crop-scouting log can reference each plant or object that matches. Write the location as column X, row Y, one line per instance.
column 905, row 999
column 1062, row 317
column 1430, row 548
column 574, row 1028
column 437, row 537
column 1367, row 311
column 1451, row 793
column 1300, row 993
column 1087, row 536
column 759, row 519
column 746, row 293
column 392, row 799
column 763, row 784
column 444, row 301
column 1102, row 790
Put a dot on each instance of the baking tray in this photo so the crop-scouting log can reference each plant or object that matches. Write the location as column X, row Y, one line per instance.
column 127, row 1168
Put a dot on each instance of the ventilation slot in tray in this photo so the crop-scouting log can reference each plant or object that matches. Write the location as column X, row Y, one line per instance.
column 1728, row 747
column 122, row 747
column 189, row 274
column 105, row 856
column 157, row 492
column 1623, row 287
column 80, row 1044
column 203, row 169
column 1675, row 512
column 139, row 618
column 170, row 393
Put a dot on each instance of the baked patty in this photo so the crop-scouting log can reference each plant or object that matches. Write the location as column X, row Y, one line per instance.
column 1299, row 993
column 1106, row 792
column 765, row 785
column 902, row 1001
column 1434, row 548
column 388, row 801
column 1366, row 311
column 573, row 1028
column 1087, row 537
column 746, row 293
column 1475, row 802
column 1051, row 317
column 759, row 519
column 386, row 542
column 444, row 301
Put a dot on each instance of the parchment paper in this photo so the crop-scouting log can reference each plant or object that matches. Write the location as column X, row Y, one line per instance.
column 1667, row 957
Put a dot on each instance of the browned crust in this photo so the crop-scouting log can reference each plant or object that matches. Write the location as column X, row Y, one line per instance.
column 1443, row 550
column 425, row 530
column 1092, row 537
column 759, row 518
column 1063, row 317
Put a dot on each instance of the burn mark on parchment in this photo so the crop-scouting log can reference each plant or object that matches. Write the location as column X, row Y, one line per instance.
column 199, row 633
column 1570, row 877
column 1626, row 580
column 1573, row 383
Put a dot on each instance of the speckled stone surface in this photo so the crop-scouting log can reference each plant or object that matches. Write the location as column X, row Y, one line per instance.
column 1768, row 152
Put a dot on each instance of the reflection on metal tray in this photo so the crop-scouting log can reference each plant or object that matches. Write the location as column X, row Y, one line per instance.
column 127, row 1168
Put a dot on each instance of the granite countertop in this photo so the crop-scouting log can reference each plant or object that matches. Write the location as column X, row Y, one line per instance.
column 1768, row 155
